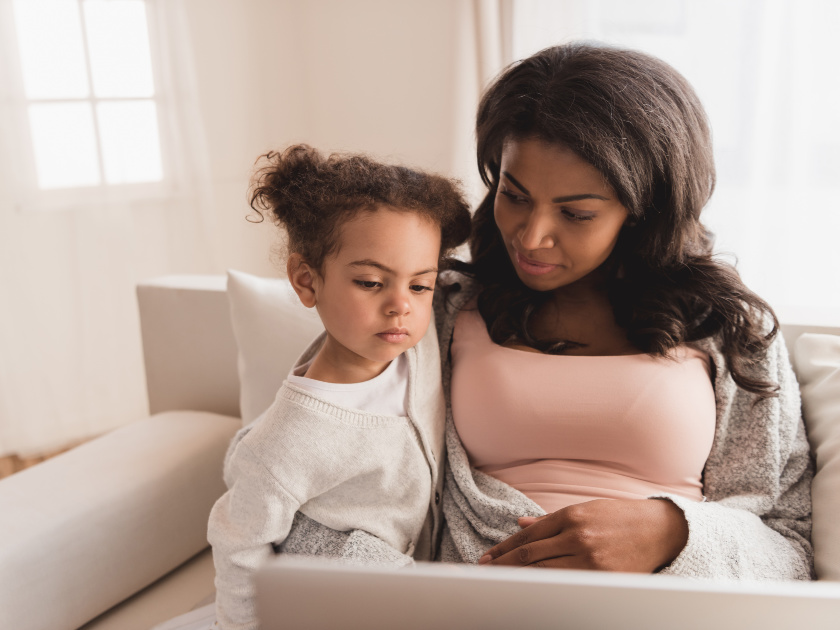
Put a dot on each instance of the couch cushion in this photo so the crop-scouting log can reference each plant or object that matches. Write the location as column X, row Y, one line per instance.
column 817, row 359
column 272, row 329
column 175, row 594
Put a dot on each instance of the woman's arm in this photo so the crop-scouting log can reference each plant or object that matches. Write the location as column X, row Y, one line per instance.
column 757, row 522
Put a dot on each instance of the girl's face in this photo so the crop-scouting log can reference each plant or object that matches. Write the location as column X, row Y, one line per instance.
column 558, row 217
column 374, row 295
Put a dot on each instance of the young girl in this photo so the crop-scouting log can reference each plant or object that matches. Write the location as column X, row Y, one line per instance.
column 347, row 461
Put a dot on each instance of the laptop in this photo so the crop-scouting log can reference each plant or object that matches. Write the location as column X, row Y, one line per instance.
column 313, row 593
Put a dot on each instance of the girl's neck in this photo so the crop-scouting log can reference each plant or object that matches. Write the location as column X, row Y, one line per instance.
column 335, row 364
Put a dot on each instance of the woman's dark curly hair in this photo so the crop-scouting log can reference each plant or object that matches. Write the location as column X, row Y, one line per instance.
column 639, row 122
column 312, row 196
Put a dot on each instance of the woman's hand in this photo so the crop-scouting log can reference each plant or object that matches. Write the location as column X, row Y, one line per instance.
column 606, row 534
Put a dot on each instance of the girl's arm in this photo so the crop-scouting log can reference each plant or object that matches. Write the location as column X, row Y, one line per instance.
column 254, row 513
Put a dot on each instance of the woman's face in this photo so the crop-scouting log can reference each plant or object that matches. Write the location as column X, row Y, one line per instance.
column 558, row 217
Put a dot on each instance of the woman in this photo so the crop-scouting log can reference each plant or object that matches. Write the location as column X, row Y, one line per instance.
column 597, row 356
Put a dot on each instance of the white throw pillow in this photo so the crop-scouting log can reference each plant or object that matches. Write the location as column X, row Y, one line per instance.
column 272, row 328
column 818, row 367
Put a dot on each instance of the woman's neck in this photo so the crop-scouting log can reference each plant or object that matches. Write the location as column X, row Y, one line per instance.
column 582, row 313
column 589, row 290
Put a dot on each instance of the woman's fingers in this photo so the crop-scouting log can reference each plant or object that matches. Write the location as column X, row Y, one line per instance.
column 541, row 553
column 544, row 527
column 526, row 521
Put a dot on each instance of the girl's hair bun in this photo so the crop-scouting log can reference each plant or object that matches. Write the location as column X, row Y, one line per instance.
column 284, row 180
column 310, row 196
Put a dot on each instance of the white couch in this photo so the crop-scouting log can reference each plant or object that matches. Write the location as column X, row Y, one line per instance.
column 112, row 534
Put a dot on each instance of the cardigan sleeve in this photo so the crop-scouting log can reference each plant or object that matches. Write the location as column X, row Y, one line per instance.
column 255, row 512
column 756, row 520
column 271, row 470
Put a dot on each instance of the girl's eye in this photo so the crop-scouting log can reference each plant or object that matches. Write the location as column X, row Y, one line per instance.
column 420, row 288
column 368, row 284
column 577, row 218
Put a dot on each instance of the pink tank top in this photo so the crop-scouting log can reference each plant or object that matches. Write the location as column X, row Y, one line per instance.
column 565, row 429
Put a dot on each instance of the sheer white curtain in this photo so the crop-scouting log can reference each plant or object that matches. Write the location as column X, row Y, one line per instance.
column 70, row 354
column 766, row 73
column 483, row 47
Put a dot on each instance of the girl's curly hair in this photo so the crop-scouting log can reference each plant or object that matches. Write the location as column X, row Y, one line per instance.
column 312, row 196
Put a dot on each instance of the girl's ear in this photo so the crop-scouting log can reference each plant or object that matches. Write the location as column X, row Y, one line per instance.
column 302, row 277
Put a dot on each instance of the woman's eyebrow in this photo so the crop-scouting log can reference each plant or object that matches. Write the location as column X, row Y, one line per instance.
column 565, row 199
column 516, row 183
column 372, row 263
column 578, row 198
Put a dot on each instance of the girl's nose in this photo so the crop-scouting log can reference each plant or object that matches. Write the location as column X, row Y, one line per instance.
column 536, row 232
column 399, row 304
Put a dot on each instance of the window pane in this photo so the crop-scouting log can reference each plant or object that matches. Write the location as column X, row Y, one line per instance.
column 130, row 142
column 118, row 42
column 65, row 145
column 51, row 51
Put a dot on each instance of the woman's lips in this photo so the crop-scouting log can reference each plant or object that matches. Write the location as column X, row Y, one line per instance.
column 394, row 335
column 532, row 267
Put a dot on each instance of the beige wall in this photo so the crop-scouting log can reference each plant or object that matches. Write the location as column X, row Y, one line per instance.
column 370, row 75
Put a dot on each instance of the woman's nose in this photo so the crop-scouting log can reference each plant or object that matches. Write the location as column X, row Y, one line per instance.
column 536, row 231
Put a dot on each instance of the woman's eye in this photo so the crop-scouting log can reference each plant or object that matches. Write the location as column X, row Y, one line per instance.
column 420, row 288
column 368, row 284
column 513, row 196
column 573, row 216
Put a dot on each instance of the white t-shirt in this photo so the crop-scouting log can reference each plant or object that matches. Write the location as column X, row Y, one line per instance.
column 382, row 395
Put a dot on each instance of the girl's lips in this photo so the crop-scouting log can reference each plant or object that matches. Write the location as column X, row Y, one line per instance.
column 532, row 267
column 394, row 335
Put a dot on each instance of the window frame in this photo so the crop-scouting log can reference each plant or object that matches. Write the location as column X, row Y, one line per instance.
column 21, row 165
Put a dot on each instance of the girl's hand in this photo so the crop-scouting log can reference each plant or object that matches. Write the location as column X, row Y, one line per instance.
column 606, row 535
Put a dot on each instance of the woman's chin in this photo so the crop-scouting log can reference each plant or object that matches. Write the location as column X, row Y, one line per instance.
column 544, row 282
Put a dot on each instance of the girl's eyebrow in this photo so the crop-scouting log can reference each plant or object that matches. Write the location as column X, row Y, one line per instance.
column 566, row 199
column 367, row 262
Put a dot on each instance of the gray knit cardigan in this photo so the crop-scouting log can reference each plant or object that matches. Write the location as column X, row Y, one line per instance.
column 755, row 521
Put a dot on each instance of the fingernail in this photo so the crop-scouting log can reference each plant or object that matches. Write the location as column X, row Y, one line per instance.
column 485, row 558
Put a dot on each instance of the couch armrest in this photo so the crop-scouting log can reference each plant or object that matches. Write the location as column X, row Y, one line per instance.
column 189, row 349
column 81, row 532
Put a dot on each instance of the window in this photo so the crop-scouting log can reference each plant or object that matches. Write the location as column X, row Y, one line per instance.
column 86, row 107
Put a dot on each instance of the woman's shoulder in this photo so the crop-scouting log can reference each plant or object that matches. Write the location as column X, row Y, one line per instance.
column 771, row 365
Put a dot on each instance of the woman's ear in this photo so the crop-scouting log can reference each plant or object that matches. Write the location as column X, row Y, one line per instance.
column 302, row 277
